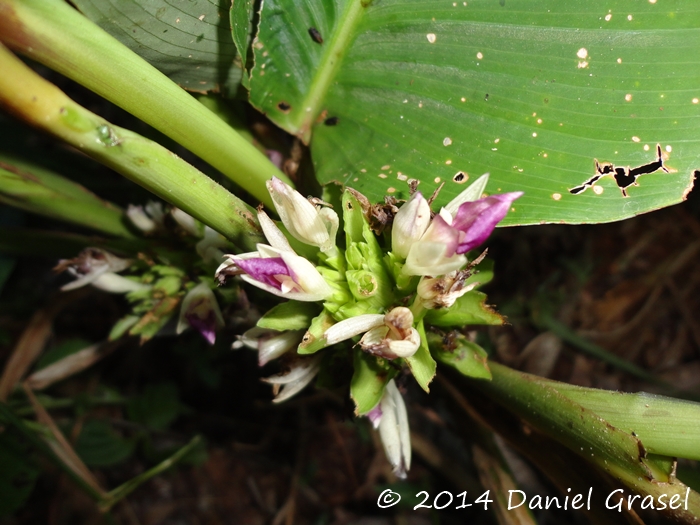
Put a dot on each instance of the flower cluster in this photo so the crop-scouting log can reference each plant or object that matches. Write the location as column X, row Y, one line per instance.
column 157, row 291
column 379, row 296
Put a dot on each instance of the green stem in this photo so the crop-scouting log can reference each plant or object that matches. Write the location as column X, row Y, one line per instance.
column 37, row 190
column 665, row 425
column 55, row 34
column 143, row 161
column 119, row 493
column 585, row 433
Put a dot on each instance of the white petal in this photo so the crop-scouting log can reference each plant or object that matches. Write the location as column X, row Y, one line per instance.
column 113, row 283
column 406, row 347
column 306, row 274
column 332, row 223
column 352, row 327
column 273, row 234
column 394, row 430
column 410, row 223
column 374, row 336
column 88, row 278
column 300, row 376
column 140, row 219
column 428, row 258
column 471, row 194
column 250, row 337
column 299, row 216
column 274, row 347
column 445, row 215
column 156, row 211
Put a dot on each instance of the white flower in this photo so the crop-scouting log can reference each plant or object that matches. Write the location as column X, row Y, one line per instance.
column 98, row 267
column 442, row 247
column 270, row 344
column 276, row 268
column 304, row 220
column 391, row 418
column 200, row 310
column 410, row 224
column 147, row 218
column 140, row 219
column 436, row 251
column 389, row 336
column 301, row 374
column 281, row 273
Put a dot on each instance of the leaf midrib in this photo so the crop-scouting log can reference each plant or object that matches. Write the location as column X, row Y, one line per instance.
column 303, row 116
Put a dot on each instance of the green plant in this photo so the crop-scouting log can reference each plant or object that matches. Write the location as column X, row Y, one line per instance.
column 396, row 100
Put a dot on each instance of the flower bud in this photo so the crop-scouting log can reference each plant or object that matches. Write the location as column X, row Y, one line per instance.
column 270, row 344
column 476, row 220
column 200, row 310
column 436, row 252
column 140, row 219
column 410, row 223
column 392, row 420
column 89, row 265
column 303, row 219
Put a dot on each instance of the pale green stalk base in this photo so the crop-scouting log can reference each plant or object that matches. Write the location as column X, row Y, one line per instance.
column 55, row 34
column 143, row 161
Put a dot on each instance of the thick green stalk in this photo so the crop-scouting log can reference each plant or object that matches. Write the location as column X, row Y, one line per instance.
column 55, row 34
column 37, row 190
column 666, row 426
column 584, row 432
column 41, row 104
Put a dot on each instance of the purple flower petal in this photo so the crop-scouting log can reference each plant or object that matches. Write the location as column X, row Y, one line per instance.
column 375, row 415
column 479, row 218
column 264, row 269
column 206, row 327
column 442, row 232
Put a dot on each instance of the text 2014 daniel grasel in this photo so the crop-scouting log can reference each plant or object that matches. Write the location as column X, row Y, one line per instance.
column 614, row 501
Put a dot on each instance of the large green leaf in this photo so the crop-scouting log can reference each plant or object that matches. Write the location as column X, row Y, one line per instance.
column 532, row 91
column 188, row 41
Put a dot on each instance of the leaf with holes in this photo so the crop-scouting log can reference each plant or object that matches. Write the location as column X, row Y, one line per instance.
column 532, row 91
column 188, row 41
